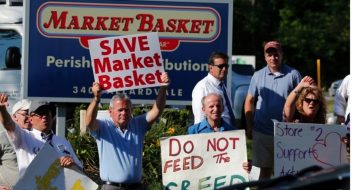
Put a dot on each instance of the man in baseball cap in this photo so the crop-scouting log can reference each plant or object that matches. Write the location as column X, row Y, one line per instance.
column 28, row 143
column 272, row 46
column 20, row 113
column 279, row 80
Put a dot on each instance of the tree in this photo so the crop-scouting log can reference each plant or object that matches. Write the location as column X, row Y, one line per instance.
column 308, row 30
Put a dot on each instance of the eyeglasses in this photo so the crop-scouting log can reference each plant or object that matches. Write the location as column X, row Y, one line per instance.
column 23, row 114
column 222, row 66
column 309, row 100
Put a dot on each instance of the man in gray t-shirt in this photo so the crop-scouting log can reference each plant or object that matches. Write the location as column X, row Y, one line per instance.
column 9, row 172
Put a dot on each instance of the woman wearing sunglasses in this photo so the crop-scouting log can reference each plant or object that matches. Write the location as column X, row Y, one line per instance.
column 305, row 104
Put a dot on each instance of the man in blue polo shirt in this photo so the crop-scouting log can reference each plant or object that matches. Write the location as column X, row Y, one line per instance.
column 120, row 139
column 212, row 107
column 268, row 90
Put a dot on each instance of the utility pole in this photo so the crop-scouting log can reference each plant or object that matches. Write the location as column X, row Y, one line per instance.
column 318, row 73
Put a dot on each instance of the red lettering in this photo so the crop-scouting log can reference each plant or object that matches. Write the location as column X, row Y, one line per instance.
column 118, row 83
column 115, row 23
column 118, row 46
column 56, row 21
column 157, row 59
column 74, row 24
column 167, row 165
column 143, row 43
column 150, row 78
column 193, row 164
column 234, row 139
column 127, row 22
column 208, row 24
column 118, row 66
column 100, row 25
column 136, row 61
column 104, row 44
column 195, row 26
column 138, row 78
column 171, row 25
column 145, row 22
column 176, row 165
column 131, row 46
column 225, row 145
column 186, row 163
column 190, row 162
column 182, row 26
column 128, row 81
column 171, row 141
column 191, row 147
column 159, row 26
column 102, row 67
column 148, row 61
column 87, row 23
column 104, row 82
column 158, row 75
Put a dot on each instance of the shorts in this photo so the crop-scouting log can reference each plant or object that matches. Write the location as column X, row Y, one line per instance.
column 263, row 150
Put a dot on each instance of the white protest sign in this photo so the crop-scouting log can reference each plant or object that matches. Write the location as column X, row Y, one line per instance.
column 203, row 161
column 127, row 62
column 300, row 145
column 45, row 172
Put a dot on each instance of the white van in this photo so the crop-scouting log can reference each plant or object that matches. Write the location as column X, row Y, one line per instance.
column 11, row 33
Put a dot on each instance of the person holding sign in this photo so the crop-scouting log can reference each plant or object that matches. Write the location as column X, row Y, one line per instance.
column 213, row 82
column 120, row 140
column 305, row 104
column 212, row 107
column 268, row 90
column 28, row 143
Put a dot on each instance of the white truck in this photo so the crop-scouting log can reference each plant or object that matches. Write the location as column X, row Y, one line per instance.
column 11, row 33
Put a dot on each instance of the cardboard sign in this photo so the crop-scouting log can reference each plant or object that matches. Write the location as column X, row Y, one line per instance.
column 45, row 172
column 203, row 161
column 300, row 145
column 127, row 62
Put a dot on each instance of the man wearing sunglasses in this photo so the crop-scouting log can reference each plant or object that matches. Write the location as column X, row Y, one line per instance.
column 268, row 90
column 213, row 83
column 28, row 143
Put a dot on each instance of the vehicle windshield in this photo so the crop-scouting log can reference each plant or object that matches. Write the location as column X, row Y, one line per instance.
column 243, row 69
column 8, row 38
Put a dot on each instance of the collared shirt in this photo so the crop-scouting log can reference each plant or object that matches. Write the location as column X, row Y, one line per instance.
column 208, row 84
column 28, row 143
column 120, row 153
column 270, row 92
column 9, row 171
column 204, row 127
column 342, row 97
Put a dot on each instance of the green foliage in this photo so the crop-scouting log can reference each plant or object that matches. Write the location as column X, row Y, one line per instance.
column 172, row 123
column 84, row 146
column 308, row 30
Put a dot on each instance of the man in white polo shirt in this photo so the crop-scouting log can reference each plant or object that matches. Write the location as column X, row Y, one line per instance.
column 28, row 143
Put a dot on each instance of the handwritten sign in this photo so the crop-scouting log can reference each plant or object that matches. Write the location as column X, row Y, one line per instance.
column 300, row 145
column 203, row 161
column 45, row 172
column 127, row 62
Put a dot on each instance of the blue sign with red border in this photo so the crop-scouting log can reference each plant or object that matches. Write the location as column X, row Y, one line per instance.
column 57, row 60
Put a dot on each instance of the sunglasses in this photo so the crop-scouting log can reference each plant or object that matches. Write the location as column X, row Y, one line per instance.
column 309, row 100
column 222, row 66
